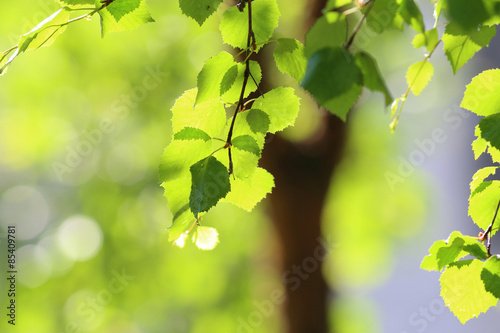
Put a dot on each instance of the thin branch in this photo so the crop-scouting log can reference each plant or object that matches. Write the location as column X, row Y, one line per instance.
column 239, row 107
column 488, row 231
column 358, row 27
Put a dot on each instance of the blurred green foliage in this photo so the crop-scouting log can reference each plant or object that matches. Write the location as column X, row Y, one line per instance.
column 82, row 127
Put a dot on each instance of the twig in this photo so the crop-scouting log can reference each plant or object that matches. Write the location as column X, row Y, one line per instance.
column 488, row 230
column 250, row 46
column 356, row 30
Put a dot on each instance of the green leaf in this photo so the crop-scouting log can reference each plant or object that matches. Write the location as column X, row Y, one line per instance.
column 443, row 253
column 372, row 79
column 479, row 145
column 483, row 203
column 467, row 14
column 199, row 10
column 228, row 79
column 123, row 15
column 412, row 15
column 315, row 37
column 76, row 4
column 490, row 129
column 232, row 95
column 479, row 177
column 205, row 238
column 180, row 155
column 212, row 75
column 491, row 276
column 481, row 95
column 190, row 133
column 463, row 290
column 382, row 15
column 247, row 192
column 177, row 193
column 334, row 80
column 281, row 106
column 418, row 76
column 209, row 116
column 234, row 24
column 460, row 46
column 246, row 143
column 429, row 39
column 210, row 183
column 258, row 121
column 44, row 34
column 289, row 57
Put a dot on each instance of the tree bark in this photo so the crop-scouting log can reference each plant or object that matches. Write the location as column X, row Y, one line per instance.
column 302, row 174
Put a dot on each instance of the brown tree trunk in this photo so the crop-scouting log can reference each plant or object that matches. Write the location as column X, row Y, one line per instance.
column 302, row 174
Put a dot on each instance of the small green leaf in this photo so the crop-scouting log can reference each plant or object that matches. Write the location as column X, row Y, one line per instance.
column 205, row 238
column 258, row 121
column 481, row 95
column 209, row 116
column 120, row 8
column 228, row 79
column 199, row 10
column 479, row 145
column 281, row 106
column 489, row 127
column 412, row 15
column 483, row 203
column 190, row 133
column 418, row 76
column 443, row 253
column 460, row 46
column 234, row 24
column 334, row 79
column 467, row 14
column 491, row 276
column 429, row 39
column 315, row 37
column 180, row 155
column 372, row 79
column 247, row 192
column 463, row 290
column 479, row 177
column 212, row 75
column 210, row 183
column 123, row 15
column 246, row 143
column 290, row 59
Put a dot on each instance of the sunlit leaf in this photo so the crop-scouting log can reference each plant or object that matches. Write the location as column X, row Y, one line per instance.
column 211, row 76
column 418, row 76
column 189, row 133
column 463, row 290
column 234, row 24
column 281, row 106
column 460, row 46
column 481, row 95
column 123, row 15
column 247, row 192
column 480, row 175
column 199, row 10
column 289, row 57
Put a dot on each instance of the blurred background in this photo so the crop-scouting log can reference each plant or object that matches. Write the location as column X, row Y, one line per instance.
column 83, row 124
